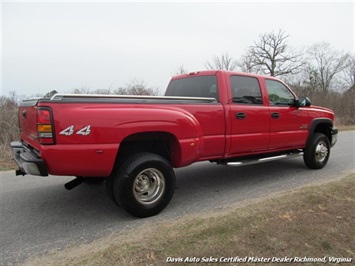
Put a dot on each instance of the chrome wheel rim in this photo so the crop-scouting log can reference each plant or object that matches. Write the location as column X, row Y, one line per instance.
column 321, row 152
column 148, row 186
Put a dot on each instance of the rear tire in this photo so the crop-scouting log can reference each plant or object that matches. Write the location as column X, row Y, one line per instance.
column 144, row 184
column 317, row 153
column 109, row 188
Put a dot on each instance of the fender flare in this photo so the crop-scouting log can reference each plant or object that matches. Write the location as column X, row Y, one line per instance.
column 315, row 122
column 171, row 121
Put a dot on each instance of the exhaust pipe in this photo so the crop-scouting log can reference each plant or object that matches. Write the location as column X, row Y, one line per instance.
column 74, row 183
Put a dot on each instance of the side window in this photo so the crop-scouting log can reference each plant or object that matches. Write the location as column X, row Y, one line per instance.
column 279, row 94
column 245, row 90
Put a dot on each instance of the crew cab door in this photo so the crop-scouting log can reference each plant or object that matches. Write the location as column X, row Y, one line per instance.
column 249, row 116
column 288, row 123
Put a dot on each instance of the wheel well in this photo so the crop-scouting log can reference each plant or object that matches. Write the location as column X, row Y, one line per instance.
column 162, row 143
column 324, row 128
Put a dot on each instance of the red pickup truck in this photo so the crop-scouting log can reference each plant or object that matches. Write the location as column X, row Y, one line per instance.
column 134, row 142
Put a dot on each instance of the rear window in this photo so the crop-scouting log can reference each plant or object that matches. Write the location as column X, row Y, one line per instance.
column 203, row 86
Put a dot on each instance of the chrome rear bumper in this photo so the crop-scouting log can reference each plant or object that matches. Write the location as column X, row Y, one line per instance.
column 27, row 160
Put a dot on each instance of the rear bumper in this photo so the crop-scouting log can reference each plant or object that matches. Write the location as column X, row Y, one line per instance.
column 334, row 136
column 27, row 160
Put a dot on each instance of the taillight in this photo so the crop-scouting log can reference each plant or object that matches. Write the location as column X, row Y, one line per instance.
column 45, row 130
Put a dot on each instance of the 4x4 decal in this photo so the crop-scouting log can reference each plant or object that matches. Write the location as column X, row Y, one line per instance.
column 70, row 131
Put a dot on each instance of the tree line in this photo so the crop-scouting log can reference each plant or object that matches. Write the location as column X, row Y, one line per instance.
column 318, row 67
column 319, row 71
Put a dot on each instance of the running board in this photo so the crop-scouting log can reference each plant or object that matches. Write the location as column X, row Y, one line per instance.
column 265, row 159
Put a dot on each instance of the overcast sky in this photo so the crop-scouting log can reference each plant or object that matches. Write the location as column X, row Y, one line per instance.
column 64, row 45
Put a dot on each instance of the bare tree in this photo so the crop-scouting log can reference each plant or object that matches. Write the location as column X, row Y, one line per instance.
column 325, row 64
column 82, row 90
column 136, row 87
column 348, row 74
column 180, row 70
column 272, row 56
column 222, row 62
column 102, row 91
column 9, row 129
column 246, row 64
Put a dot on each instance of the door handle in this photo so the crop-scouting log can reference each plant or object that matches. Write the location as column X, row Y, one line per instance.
column 240, row 116
column 275, row 115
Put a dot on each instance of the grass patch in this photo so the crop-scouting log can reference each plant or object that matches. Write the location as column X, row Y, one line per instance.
column 8, row 164
column 313, row 221
column 6, row 160
column 345, row 128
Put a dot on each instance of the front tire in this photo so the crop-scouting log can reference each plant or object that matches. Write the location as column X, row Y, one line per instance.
column 144, row 184
column 317, row 153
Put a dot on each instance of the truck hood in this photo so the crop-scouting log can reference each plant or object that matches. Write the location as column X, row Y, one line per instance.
column 320, row 112
column 321, row 109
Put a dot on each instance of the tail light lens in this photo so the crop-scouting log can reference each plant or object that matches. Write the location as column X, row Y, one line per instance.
column 45, row 128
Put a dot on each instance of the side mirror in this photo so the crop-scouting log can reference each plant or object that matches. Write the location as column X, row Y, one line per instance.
column 303, row 101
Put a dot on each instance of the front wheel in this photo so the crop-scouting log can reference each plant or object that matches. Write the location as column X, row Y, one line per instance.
column 317, row 153
column 144, row 184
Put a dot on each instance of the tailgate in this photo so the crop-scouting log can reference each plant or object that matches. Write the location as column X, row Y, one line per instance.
column 28, row 122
